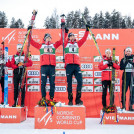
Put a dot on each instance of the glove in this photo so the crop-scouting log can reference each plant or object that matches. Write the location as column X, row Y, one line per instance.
column 66, row 30
column 2, row 42
column 131, row 62
column 110, row 63
column 87, row 27
column 20, row 64
column 30, row 27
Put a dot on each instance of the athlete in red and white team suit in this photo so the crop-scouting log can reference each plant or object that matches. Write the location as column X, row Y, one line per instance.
column 72, row 65
column 18, row 68
column 106, row 66
column 48, row 61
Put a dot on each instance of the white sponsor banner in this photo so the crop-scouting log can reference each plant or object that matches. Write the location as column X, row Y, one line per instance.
column 117, row 88
column 60, row 88
column 31, row 88
column 10, row 72
column 87, row 73
column 87, row 88
column 97, row 88
column 117, row 58
column 47, row 88
column 117, row 81
column 86, row 81
column 59, row 58
column 10, row 80
column 86, row 66
column 104, row 36
column 33, row 73
column 60, row 73
column 97, row 81
column 60, row 66
column 97, row 73
column 97, row 59
column 35, row 58
column 57, row 88
column 33, row 81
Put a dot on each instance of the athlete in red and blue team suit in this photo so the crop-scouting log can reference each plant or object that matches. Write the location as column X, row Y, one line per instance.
column 2, row 72
column 48, row 61
column 18, row 69
column 106, row 66
column 72, row 65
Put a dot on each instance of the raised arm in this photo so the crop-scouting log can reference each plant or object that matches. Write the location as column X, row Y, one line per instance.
column 58, row 43
column 33, row 43
column 82, row 41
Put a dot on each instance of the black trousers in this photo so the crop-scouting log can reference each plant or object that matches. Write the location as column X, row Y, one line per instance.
column 17, row 79
column 2, row 84
column 48, row 70
column 128, row 84
column 73, row 69
column 105, row 85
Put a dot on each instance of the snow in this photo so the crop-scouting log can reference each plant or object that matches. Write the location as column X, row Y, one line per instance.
column 92, row 127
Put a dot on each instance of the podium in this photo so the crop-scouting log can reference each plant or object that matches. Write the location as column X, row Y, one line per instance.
column 65, row 117
column 12, row 114
column 124, row 118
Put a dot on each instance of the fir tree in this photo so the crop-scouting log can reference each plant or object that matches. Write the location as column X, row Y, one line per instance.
column 3, row 20
column 95, row 21
column 107, row 20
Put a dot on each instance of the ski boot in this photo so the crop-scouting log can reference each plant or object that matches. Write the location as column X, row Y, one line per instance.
column 14, row 105
column 104, row 109
column 70, row 97
column 51, row 99
column 130, row 108
column 2, row 102
column 22, row 104
column 123, row 108
column 78, row 101
column 111, row 109
column 51, row 102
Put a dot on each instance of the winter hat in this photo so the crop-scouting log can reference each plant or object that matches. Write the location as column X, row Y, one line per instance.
column 107, row 50
column 70, row 34
column 47, row 35
column 129, row 48
column 19, row 46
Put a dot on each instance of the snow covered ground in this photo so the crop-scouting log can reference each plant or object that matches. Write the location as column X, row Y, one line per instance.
column 92, row 127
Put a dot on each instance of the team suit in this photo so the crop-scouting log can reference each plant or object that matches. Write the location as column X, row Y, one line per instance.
column 17, row 72
column 106, row 66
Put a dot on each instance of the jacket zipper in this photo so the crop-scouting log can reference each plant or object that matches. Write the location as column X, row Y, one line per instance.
column 73, row 58
column 109, row 74
column 49, row 57
column 49, row 60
